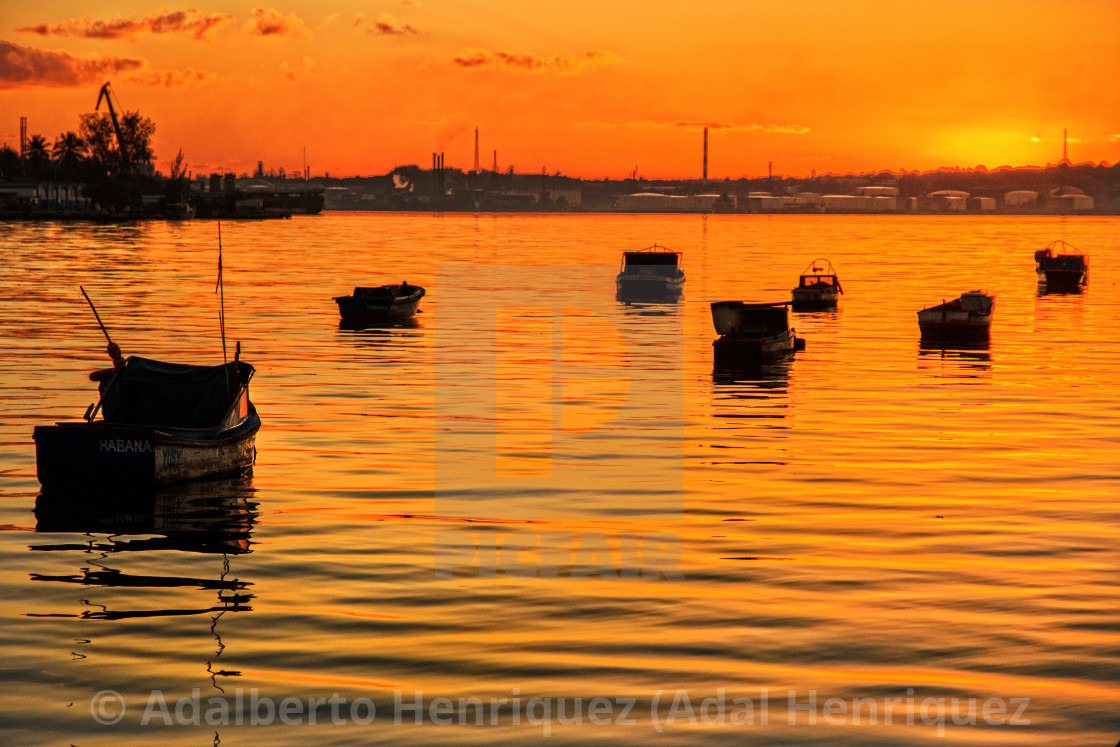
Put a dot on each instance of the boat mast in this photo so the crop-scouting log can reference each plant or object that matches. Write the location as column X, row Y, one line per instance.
column 220, row 288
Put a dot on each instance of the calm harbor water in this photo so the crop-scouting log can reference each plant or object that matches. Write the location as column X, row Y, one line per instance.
column 540, row 494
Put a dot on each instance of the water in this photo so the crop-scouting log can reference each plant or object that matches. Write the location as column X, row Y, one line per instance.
column 540, row 492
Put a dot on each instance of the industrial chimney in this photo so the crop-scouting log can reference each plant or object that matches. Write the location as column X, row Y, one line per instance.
column 705, row 154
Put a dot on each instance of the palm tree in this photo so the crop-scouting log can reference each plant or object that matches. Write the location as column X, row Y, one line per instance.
column 38, row 155
column 69, row 150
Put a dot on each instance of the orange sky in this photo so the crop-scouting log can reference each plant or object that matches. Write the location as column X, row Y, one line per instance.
column 588, row 88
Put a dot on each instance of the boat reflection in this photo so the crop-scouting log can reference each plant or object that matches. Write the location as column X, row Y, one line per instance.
column 647, row 297
column 213, row 517
column 962, row 360
column 645, row 307
column 410, row 322
column 767, row 382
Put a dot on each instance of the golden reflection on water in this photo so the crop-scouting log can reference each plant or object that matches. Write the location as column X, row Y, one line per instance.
column 478, row 501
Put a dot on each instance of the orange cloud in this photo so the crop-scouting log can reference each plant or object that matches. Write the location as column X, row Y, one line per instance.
column 273, row 23
column 388, row 25
column 297, row 72
column 23, row 67
column 173, row 78
column 475, row 57
column 200, row 26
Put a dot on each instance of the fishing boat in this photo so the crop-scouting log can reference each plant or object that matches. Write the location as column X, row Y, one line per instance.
column 1061, row 268
column 968, row 317
column 379, row 305
column 818, row 288
column 653, row 273
column 752, row 333
column 160, row 423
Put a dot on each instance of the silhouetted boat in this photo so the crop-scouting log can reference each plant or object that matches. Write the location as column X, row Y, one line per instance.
column 968, row 317
column 752, row 333
column 1062, row 273
column 653, row 273
column 380, row 304
column 178, row 211
column 161, row 423
column 818, row 288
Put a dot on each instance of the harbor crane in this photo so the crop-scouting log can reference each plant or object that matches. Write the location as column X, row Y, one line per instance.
column 104, row 94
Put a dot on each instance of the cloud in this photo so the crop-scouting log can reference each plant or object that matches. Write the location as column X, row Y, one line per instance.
column 273, row 23
column 410, row 3
column 786, row 129
column 387, row 25
column 1036, row 139
column 300, row 71
column 769, row 129
column 173, row 78
column 358, row 19
column 23, row 67
column 474, row 57
column 1114, row 138
column 201, row 27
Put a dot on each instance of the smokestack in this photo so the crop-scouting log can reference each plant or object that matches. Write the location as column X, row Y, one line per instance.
column 477, row 168
column 705, row 154
column 1065, row 140
column 495, row 161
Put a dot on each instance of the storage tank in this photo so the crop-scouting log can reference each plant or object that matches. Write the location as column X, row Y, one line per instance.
column 1020, row 197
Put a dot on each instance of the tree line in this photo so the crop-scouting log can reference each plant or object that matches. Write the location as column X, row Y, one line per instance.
column 90, row 154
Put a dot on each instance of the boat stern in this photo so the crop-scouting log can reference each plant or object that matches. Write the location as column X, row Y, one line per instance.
column 79, row 454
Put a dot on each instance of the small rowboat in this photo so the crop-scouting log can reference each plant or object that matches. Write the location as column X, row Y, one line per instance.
column 653, row 273
column 379, row 305
column 968, row 317
column 161, row 423
column 752, row 333
column 819, row 287
column 1066, row 272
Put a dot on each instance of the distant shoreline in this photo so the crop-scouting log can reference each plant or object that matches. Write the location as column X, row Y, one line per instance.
column 95, row 217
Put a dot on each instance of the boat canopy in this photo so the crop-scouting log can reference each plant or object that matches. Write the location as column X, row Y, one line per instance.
column 756, row 319
column 174, row 395
column 655, row 258
column 977, row 301
column 808, row 280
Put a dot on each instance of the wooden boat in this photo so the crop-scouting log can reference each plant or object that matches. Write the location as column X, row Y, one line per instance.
column 1060, row 269
column 819, row 287
column 752, row 333
column 379, row 305
column 653, row 273
column 968, row 317
column 161, row 423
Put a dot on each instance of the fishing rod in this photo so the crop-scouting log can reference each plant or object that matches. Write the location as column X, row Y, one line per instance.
column 94, row 308
column 114, row 351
